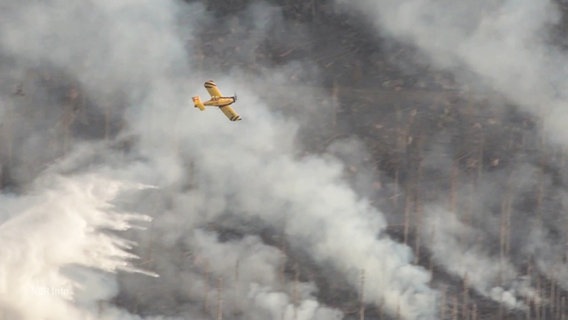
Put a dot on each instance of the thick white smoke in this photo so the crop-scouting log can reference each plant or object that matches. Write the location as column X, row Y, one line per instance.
column 253, row 173
column 248, row 280
column 504, row 43
column 459, row 249
column 54, row 242
column 129, row 56
column 501, row 46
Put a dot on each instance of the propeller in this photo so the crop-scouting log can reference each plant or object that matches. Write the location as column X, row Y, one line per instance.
column 235, row 97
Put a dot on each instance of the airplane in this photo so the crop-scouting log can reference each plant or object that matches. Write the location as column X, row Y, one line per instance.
column 217, row 100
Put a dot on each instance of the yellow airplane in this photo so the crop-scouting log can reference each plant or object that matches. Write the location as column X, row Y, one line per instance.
column 217, row 100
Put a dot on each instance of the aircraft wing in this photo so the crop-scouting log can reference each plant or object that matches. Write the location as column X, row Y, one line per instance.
column 212, row 88
column 230, row 113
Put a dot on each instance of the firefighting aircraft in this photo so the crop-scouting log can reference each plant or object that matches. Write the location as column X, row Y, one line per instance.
column 217, row 100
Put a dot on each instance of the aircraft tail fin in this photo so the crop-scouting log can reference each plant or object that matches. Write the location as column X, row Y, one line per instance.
column 197, row 103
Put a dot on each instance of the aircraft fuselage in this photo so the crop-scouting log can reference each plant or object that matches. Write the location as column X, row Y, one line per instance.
column 219, row 101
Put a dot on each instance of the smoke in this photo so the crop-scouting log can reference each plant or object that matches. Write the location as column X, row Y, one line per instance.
column 55, row 244
column 136, row 65
column 459, row 248
column 508, row 48
column 253, row 288
column 505, row 44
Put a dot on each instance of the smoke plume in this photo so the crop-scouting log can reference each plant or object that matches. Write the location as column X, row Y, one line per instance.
column 509, row 49
column 132, row 67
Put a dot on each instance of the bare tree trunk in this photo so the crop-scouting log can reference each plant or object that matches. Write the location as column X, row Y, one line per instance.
column 8, row 140
column 206, row 283
column 70, row 110
column 539, row 294
column 465, row 306
column 417, row 199
column 455, row 312
column 443, row 305
column 563, row 308
column 454, row 186
column 407, row 209
column 237, row 273
column 395, row 196
column 295, row 295
column 505, row 226
column 335, row 102
column 314, row 11
column 219, row 298
column 362, row 295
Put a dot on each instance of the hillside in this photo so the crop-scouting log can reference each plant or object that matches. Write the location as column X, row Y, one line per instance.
column 452, row 178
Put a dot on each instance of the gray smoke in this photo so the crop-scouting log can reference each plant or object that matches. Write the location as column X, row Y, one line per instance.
column 136, row 66
column 507, row 48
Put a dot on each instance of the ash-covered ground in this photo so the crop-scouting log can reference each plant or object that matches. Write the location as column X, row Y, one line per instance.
column 397, row 160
